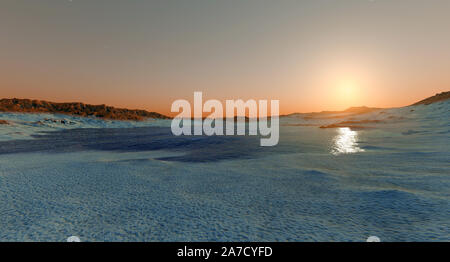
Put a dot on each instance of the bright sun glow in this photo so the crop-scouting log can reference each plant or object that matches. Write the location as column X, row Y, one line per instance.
column 347, row 83
column 348, row 89
column 347, row 92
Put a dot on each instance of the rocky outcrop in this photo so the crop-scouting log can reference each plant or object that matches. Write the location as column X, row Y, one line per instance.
column 436, row 98
column 4, row 122
column 77, row 109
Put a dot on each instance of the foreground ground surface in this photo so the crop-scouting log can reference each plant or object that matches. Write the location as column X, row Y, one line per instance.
column 115, row 182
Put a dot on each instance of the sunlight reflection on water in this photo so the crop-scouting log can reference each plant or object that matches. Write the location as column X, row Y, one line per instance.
column 345, row 142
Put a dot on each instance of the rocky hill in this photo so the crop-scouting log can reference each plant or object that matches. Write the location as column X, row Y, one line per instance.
column 433, row 99
column 77, row 109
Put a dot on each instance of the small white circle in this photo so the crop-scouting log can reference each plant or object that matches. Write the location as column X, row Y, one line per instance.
column 73, row 239
column 373, row 239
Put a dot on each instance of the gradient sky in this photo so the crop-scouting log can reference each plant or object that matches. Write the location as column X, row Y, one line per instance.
column 311, row 55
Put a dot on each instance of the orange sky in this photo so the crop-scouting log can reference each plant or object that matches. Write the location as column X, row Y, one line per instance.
column 312, row 56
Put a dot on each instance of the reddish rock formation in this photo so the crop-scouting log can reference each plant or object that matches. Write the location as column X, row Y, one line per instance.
column 77, row 109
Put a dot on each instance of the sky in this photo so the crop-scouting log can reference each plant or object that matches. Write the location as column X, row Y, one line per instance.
column 311, row 55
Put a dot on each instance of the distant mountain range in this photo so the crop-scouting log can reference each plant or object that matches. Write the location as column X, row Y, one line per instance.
column 363, row 109
column 77, row 109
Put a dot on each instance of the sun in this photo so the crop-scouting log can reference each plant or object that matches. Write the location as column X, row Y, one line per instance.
column 347, row 88
column 347, row 91
column 347, row 82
